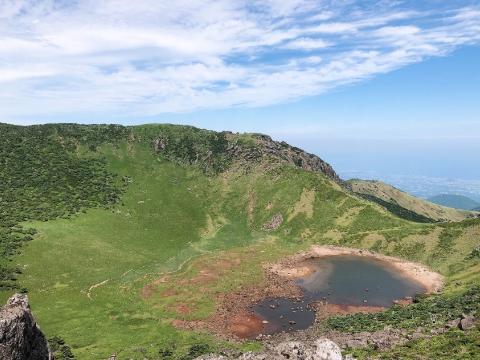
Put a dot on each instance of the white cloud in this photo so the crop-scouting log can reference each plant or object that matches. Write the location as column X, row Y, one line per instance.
column 125, row 58
column 306, row 44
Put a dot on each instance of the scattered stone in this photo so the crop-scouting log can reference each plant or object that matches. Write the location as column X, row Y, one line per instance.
column 321, row 349
column 292, row 350
column 274, row 223
column 453, row 324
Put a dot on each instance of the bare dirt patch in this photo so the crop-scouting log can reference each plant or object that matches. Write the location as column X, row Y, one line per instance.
column 233, row 318
column 182, row 308
column 151, row 288
column 245, row 325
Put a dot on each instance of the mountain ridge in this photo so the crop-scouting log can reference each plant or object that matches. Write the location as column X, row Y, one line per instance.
column 397, row 198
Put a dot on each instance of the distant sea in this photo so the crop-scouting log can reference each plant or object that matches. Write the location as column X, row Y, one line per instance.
column 421, row 186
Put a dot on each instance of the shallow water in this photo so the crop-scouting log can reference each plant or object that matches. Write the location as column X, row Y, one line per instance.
column 342, row 280
column 356, row 280
column 284, row 315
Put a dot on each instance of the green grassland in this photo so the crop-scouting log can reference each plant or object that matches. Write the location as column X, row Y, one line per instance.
column 151, row 213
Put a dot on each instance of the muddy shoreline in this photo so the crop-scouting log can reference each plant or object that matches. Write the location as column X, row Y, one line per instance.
column 234, row 320
column 288, row 268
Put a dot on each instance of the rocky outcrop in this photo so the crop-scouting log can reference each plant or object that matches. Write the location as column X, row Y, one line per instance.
column 219, row 150
column 266, row 147
column 467, row 322
column 274, row 223
column 20, row 336
column 321, row 349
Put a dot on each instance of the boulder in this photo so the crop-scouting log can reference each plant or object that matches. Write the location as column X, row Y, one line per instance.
column 20, row 336
column 467, row 322
column 325, row 349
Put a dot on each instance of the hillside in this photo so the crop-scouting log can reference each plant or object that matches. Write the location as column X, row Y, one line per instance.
column 401, row 202
column 125, row 238
column 455, row 201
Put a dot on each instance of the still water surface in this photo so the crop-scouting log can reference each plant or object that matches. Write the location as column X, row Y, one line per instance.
column 343, row 280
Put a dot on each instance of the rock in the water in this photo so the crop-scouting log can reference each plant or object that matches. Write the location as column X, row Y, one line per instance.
column 20, row 336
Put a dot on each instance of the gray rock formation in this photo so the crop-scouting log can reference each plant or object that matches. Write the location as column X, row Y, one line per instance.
column 274, row 223
column 268, row 148
column 467, row 322
column 20, row 336
column 321, row 349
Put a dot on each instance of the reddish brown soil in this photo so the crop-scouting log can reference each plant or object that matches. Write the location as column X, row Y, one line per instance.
column 182, row 308
column 245, row 325
column 210, row 271
column 149, row 289
column 233, row 318
column 168, row 293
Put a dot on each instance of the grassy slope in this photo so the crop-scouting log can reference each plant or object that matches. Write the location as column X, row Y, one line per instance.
column 392, row 195
column 173, row 213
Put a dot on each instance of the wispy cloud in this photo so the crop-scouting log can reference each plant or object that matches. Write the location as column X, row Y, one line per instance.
column 147, row 57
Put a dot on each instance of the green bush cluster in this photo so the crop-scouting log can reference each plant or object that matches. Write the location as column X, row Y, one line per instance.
column 193, row 351
column 43, row 176
column 60, row 350
column 188, row 145
column 426, row 311
column 453, row 345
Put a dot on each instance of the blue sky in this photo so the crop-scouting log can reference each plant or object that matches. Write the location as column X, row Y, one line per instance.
column 374, row 87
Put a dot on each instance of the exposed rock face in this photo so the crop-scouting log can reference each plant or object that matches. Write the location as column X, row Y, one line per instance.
column 467, row 322
column 274, row 223
column 226, row 147
column 282, row 151
column 321, row 349
column 20, row 336
column 159, row 144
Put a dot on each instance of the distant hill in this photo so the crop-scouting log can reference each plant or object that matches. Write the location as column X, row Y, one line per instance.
column 405, row 205
column 476, row 209
column 455, row 201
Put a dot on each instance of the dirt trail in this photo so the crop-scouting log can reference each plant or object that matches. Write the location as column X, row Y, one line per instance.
column 91, row 288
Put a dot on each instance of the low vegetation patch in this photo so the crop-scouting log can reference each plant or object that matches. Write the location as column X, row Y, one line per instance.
column 431, row 311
